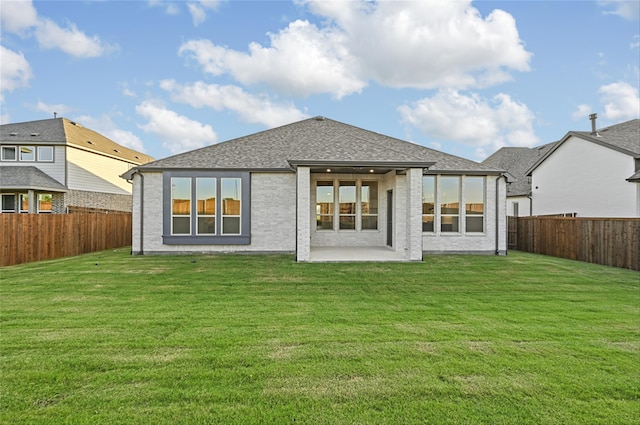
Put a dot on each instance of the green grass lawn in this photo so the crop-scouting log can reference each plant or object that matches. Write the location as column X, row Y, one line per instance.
column 107, row 338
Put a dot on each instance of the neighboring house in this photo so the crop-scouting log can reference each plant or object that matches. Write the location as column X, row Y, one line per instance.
column 317, row 183
column 591, row 174
column 516, row 162
column 55, row 164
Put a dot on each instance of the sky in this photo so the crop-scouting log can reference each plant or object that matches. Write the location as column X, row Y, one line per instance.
column 463, row 77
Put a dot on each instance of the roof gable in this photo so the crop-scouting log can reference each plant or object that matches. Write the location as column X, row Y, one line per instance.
column 623, row 137
column 315, row 139
column 62, row 131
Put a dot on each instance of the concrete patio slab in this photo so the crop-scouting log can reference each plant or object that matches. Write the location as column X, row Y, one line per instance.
column 354, row 254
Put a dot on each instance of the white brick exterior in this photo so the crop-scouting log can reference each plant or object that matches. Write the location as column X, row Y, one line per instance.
column 283, row 217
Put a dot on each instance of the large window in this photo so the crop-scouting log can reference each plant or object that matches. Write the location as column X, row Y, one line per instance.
column 356, row 206
column 369, row 205
column 45, row 202
column 206, row 208
column 27, row 153
column 8, row 203
column 180, row 206
column 231, row 203
column 45, row 153
column 347, row 205
column 428, row 203
column 474, row 204
column 450, row 204
column 8, row 153
column 324, row 205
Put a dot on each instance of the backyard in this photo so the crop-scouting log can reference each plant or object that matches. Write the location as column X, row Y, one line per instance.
column 107, row 338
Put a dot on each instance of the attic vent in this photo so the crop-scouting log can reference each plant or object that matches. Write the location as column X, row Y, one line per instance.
column 13, row 134
column 137, row 157
column 35, row 134
column 116, row 150
column 90, row 142
column 320, row 118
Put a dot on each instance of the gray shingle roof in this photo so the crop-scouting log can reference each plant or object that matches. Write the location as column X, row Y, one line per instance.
column 623, row 137
column 517, row 161
column 28, row 177
column 63, row 131
column 314, row 139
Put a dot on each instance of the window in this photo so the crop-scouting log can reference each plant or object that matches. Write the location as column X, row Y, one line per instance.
column 428, row 203
column 8, row 203
column 180, row 206
column 45, row 153
column 347, row 205
column 206, row 214
column 369, row 205
column 45, row 203
column 9, row 153
column 474, row 204
column 206, row 208
column 450, row 204
column 516, row 208
column 231, row 206
column 27, row 153
column 356, row 206
column 24, row 203
column 324, row 205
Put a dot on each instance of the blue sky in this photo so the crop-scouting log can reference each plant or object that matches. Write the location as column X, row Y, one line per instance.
column 463, row 77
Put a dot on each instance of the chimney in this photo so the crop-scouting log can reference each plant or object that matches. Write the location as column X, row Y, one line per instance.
column 593, row 117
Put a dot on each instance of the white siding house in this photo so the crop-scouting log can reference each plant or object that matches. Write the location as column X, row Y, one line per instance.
column 56, row 164
column 590, row 174
column 318, row 185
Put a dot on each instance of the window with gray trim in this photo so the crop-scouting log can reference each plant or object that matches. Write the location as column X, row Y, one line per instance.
column 206, row 208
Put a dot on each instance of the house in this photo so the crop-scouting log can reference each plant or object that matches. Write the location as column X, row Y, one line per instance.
column 313, row 186
column 516, row 161
column 53, row 165
column 590, row 174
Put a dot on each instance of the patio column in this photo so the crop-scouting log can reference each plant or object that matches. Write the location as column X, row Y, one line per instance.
column 303, row 196
column 414, row 214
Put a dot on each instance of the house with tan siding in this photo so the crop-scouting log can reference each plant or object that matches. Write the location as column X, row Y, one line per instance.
column 317, row 186
column 53, row 165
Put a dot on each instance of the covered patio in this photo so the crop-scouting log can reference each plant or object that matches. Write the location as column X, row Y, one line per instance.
column 355, row 254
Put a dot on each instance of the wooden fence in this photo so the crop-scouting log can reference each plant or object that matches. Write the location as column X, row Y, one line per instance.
column 34, row 237
column 608, row 241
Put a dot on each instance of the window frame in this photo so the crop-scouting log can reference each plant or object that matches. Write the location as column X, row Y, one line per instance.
column 369, row 214
column 468, row 215
column 15, row 153
column 40, row 210
column 454, row 229
column 332, row 205
column 33, row 149
column 40, row 148
column 193, row 238
column 434, row 203
column 356, row 205
column 8, row 211
column 336, row 184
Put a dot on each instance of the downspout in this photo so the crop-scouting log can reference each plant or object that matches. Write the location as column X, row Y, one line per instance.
column 141, row 211
column 498, row 214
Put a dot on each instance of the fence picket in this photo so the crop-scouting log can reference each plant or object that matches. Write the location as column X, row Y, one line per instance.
column 607, row 241
column 34, row 237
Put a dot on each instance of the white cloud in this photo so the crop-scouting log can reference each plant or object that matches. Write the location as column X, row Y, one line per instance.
column 621, row 101
column 70, row 40
column 397, row 44
column 169, row 8
column 472, row 120
column 15, row 71
column 582, row 112
column 635, row 44
column 250, row 108
column 628, row 9
column 128, row 93
column 60, row 109
column 178, row 133
column 198, row 10
column 18, row 16
column 105, row 126
column 22, row 18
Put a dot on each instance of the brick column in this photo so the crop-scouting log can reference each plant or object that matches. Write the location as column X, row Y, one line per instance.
column 414, row 214
column 303, row 197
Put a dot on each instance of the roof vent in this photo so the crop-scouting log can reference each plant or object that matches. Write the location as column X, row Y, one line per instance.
column 90, row 142
column 35, row 134
column 13, row 134
column 116, row 150
column 319, row 118
column 593, row 118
